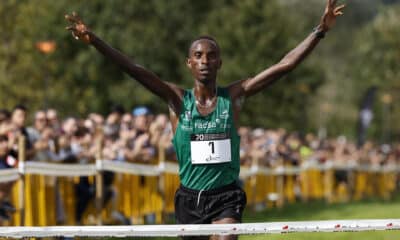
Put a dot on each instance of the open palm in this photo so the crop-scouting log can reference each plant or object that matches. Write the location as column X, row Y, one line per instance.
column 78, row 29
column 332, row 11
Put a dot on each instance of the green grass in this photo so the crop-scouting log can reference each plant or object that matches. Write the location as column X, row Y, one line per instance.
column 374, row 209
column 316, row 210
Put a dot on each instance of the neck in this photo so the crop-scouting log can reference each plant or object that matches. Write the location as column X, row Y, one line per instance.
column 205, row 95
column 205, row 88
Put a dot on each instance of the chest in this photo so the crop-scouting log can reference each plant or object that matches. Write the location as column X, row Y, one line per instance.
column 191, row 121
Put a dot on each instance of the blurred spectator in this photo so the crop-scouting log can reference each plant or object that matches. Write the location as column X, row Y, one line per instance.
column 65, row 151
column 70, row 127
column 136, row 137
column 18, row 124
column 111, row 127
column 8, row 159
column 245, row 146
column 139, row 148
column 43, row 138
column 161, row 135
column 5, row 121
column 40, row 123
column 53, row 121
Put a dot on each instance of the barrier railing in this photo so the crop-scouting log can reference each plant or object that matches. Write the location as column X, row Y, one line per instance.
column 202, row 229
column 46, row 190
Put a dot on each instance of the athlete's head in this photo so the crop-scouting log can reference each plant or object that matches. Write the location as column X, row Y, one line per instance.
column 204, row 58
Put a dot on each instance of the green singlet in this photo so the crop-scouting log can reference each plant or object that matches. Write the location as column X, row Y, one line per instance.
column 207, row 147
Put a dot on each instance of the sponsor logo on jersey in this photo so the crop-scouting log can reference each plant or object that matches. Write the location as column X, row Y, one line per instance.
column 205, row 125
column 224, row 114
column 187, row 116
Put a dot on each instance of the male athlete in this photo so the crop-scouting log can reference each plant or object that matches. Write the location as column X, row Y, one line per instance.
column 205, row 120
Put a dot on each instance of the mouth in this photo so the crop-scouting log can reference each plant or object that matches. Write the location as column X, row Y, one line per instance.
column 204, row 71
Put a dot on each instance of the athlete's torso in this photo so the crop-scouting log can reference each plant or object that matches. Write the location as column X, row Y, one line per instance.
column 212, row 139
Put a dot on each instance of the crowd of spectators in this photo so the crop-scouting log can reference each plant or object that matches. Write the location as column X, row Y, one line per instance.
column 127, row 136
column 279, row 147
column 135, row 136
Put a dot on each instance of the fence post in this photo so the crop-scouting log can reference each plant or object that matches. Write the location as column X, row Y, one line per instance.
column 304, row 180
column 99, row 181
column 161, row 179
column 21, row 167
column 253, row 183
column 280, row 179
column 328, row 182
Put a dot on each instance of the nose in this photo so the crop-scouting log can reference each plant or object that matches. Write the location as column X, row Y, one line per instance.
column 204, row 59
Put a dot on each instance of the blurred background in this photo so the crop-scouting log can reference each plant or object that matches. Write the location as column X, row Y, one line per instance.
column 324, row 139
column 42, row 66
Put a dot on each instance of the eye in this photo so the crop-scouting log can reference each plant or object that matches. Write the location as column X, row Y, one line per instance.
column 212, row 55
column 197, row 55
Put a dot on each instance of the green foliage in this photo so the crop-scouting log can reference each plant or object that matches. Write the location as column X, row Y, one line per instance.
column 157, row 35
column 378, row 65
column 254, row 34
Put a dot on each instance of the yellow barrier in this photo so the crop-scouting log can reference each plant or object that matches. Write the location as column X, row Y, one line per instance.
column 139, row 196
column 46, row 198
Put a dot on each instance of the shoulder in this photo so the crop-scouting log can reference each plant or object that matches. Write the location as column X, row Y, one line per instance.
column 237, row 89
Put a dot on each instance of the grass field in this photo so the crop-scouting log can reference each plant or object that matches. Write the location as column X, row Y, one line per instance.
column 374, row 209
column 371, row 209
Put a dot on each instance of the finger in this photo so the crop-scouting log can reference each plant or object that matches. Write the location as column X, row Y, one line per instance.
column 76, row 16
column 338, row 13
column 71, row 28
column 340, row 8
column 74, row 35
column 73, row 18
column 70, row 18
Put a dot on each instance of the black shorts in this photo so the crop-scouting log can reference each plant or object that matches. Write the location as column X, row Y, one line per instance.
column 204, row 207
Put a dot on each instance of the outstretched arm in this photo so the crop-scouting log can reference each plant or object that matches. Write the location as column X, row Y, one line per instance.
column 255, row 84
column 167, row 91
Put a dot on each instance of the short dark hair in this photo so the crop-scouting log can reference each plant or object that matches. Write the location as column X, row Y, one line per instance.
column 117, row 108
column 4, row 114
column 20, row 107
column 204, row 37
column 3, row 137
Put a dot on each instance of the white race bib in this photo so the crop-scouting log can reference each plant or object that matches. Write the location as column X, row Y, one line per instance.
column 210, row 148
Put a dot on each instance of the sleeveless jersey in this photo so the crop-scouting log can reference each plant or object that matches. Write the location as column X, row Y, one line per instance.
column 207, row 147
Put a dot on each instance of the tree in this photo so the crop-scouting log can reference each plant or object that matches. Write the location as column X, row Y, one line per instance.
column 378, row 65
column 254, row 35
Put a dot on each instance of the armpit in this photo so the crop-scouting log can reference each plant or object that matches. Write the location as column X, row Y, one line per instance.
column 239, row 102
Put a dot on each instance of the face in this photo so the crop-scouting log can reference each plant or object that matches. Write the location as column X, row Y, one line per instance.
column 40, row 120
column 52, row 117
column 70, row 126
column 140, row 122
column 19, row 117
column 3, row 147
column 204, row 60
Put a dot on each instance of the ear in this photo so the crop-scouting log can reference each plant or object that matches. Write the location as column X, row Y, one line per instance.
column 188, row 63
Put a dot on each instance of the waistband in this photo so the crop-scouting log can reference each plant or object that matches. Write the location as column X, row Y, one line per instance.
column 231, row 186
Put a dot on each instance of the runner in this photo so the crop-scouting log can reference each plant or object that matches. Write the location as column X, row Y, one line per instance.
column 205, row 119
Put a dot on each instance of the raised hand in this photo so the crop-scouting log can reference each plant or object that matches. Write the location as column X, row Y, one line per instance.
column 78, row 28
column 331, row 13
